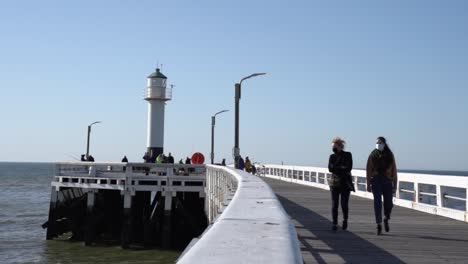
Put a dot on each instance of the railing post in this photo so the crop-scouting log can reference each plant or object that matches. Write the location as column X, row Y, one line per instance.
column 440, row 197
column 416, row 192
column 466, row 204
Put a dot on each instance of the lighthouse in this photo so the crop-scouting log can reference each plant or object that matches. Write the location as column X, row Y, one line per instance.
column 156, row 94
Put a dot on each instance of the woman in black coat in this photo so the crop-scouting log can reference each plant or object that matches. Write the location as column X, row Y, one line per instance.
column 340, row 165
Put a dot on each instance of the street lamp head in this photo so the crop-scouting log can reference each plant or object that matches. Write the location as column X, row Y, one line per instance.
column 97, row 122
column 220, row 112
column 258, row 74
column 252, row 75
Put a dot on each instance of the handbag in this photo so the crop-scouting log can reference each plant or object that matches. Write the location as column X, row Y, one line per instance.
column 334, row 181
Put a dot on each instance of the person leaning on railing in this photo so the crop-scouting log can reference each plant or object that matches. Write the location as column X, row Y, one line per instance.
column 340, row 165
column 382, row 179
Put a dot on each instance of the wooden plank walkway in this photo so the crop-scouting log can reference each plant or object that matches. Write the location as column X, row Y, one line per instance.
column 415, row 237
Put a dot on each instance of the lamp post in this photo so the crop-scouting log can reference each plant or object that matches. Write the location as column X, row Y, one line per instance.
column 89, row 134
column 236, row 150
column 213, row 122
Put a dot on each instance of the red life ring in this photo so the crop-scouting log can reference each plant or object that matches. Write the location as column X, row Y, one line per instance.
column 198, row 158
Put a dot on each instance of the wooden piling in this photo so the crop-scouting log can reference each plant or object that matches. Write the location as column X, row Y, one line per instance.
column 127, row 232
column 167, row 220
column 51, row 230
column 90, row 228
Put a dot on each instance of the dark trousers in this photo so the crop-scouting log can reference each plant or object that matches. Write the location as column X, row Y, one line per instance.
column 336, row 193
column 382, row 186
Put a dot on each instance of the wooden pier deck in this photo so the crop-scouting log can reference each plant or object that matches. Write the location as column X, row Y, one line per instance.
column 415, row 237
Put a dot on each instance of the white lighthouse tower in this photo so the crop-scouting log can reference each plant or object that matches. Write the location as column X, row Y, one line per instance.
column 156, row 94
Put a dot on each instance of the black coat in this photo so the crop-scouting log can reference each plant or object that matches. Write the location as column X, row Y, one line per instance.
column 341, row 165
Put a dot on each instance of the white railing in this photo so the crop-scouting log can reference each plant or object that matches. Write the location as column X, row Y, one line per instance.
column 130, row 177
column 436, row 194
column 249, row 225
column 164, row 93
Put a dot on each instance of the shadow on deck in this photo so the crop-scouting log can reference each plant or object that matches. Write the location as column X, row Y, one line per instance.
column 415, row 237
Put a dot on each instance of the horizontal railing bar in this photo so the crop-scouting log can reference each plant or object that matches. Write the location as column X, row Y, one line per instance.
column 454, row 197
column 407, row 191
column 428, row 194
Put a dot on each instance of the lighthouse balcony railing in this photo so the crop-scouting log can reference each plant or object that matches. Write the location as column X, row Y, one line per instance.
column 161, row 93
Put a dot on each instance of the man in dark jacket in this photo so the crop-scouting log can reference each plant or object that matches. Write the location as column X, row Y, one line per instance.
column 170, row 159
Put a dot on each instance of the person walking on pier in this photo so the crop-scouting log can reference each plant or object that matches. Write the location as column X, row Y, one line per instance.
column 340, row 165
column 382, row 180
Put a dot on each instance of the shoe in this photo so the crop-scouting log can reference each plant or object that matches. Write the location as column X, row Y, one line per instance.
column 345, row 224
column 334, row 228
column 386, row 225
column 379, row 229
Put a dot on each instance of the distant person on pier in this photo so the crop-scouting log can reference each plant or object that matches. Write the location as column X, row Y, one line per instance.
column 223, row 163
column 147, row 157
column 83, row 157
column 382, row 180
column 254, row 169
column 340, row 165
column 170, row 159
column 160, row 159
column 248, row 165
column 241, row 163
column 188, row 161
column 90, row 158
column 125, row 160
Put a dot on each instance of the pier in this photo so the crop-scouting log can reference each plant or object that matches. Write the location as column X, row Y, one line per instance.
column 219, row 214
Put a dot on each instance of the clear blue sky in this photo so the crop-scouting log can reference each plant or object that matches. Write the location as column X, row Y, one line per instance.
column 335, row 68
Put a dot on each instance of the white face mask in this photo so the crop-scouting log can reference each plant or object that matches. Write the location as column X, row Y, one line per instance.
column 380, row 146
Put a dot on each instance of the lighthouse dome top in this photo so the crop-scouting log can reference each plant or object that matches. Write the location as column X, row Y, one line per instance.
column 157, row 74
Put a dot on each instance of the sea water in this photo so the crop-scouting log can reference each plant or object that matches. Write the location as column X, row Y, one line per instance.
column 24, row 206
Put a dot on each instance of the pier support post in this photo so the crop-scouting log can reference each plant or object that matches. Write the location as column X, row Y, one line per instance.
column 127, row 231
column 51, row 230
column 167, row 225
column 90, row 231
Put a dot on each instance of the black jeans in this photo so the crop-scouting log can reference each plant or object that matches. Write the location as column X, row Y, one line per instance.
column 336, row 193
column 382, row 186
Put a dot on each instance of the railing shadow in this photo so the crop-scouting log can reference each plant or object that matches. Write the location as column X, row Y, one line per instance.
column 346, row 246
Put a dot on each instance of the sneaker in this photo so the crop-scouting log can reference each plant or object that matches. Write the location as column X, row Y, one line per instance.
column 379, row 229
column 345, row 224
column 334, row 228
column 386, row 225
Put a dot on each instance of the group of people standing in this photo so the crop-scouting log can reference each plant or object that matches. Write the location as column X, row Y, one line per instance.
column 247, row 165
column 382, row 180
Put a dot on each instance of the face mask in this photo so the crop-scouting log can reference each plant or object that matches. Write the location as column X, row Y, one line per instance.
column 335, row 150
column 380, row 147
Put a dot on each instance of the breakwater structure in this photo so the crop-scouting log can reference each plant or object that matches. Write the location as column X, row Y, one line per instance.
column 136, row 204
